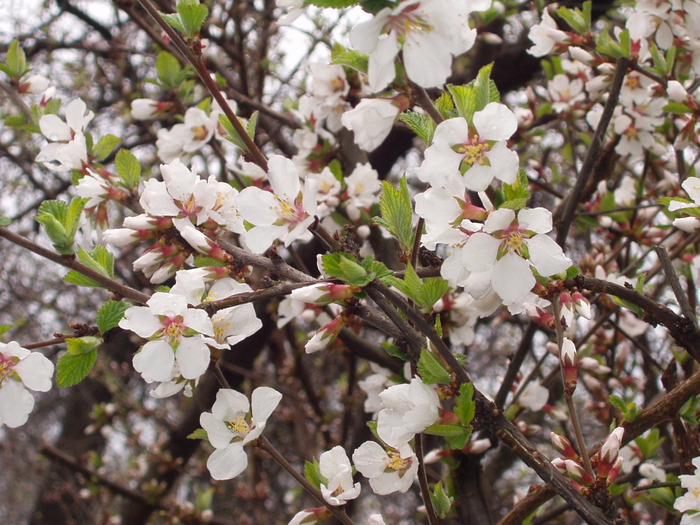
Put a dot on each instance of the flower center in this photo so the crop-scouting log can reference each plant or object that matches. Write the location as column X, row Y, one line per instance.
column 394, row 461
column 189, row 206
column 220, row 330
column 6, row 368
column 238, row 426
column 513, row 241
column 199, row 132
column 173, row 329
column 408, row 20
column 473, row 150
column 289, row 212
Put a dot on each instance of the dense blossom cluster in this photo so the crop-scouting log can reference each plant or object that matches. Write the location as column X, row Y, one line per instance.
column 475, row 216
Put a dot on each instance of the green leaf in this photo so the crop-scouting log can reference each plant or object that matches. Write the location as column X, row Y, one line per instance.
column 168, row 69
column 420, row 123
column 231, row 133
column 374, row 6
column 200, row 433
column 312, row 472
column 15, row 61
column 445, row 106
column 395, row 351
column 464, row 99
column 688, row 411
column 128, row 168
column 4, row 328
column 625, row 43
column 76, row 363
column 109, row 315
column 173, row 19
column 441, row 502
column 397, row 212
column 445, row 430
column 100, row 260
column 4, row 221
column 649, row 443
column 431, row 368
column 607, row 45
column 252, row 123
column 677, row 108
column 574, row 18
column 346, row 268
column 60, row 221
column 466, row 407
column 375, row 267
column 192, row 16
column 105, row 146
column 349, row 58
column 459, row 441
column 483, row 88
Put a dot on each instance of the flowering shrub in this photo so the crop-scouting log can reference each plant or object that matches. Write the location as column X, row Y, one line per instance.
column 394, row 257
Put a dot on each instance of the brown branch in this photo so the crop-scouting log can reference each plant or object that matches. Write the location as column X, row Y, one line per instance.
column 70, row 262
column 680, row 328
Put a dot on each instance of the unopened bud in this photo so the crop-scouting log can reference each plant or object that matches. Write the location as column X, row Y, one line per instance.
column 676, row 92
column 569, row 365
column 609, row 452
column 564, row 447
column 583, row 307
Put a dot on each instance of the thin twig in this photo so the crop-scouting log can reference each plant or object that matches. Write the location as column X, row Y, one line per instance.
column 672, row 278
column 264, row 444
column 70, row 262
column 571, row 202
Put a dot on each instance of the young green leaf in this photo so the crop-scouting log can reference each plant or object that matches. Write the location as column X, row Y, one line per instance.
column 192, row 15
column 349, row 58
column 431, row 368
column 76, row 363
column 109, row 315
column 441, row 501
column 128, row 168
column 397, row 212
column 466, row 407
column 420, row 123
column 200, row 433
column 104, row 147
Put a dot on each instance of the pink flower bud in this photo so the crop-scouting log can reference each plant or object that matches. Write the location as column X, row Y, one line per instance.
column 609, row 451
column 583, row 307
column 576, row 472
column 569, row 358
column 564, row 447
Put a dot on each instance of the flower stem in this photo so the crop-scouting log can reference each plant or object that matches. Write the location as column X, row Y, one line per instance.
column 264, row 444
column 575, row 423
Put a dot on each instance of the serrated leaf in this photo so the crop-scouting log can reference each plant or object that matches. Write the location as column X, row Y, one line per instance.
column 105, row 146
column 53, row 216
column 231, row 133
column 173, row 19
column 346, row 268
column 128, row 168
column 75, row 365
column 420, row 123
column 464, row 100
column 460, row 441
column 192, row 17
column 431, row 368
column 252, row 124
column 99, row 259
column 432, row 291
column 349, row 58
column 482, row 87
column 312, row 472
column 200, row 433
column 445, row 106
column 574, row 18
column 377, row 268
column 466, row 407
column 441, row 502
column 79, row 279
column 397, row 212
column 109, row 315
